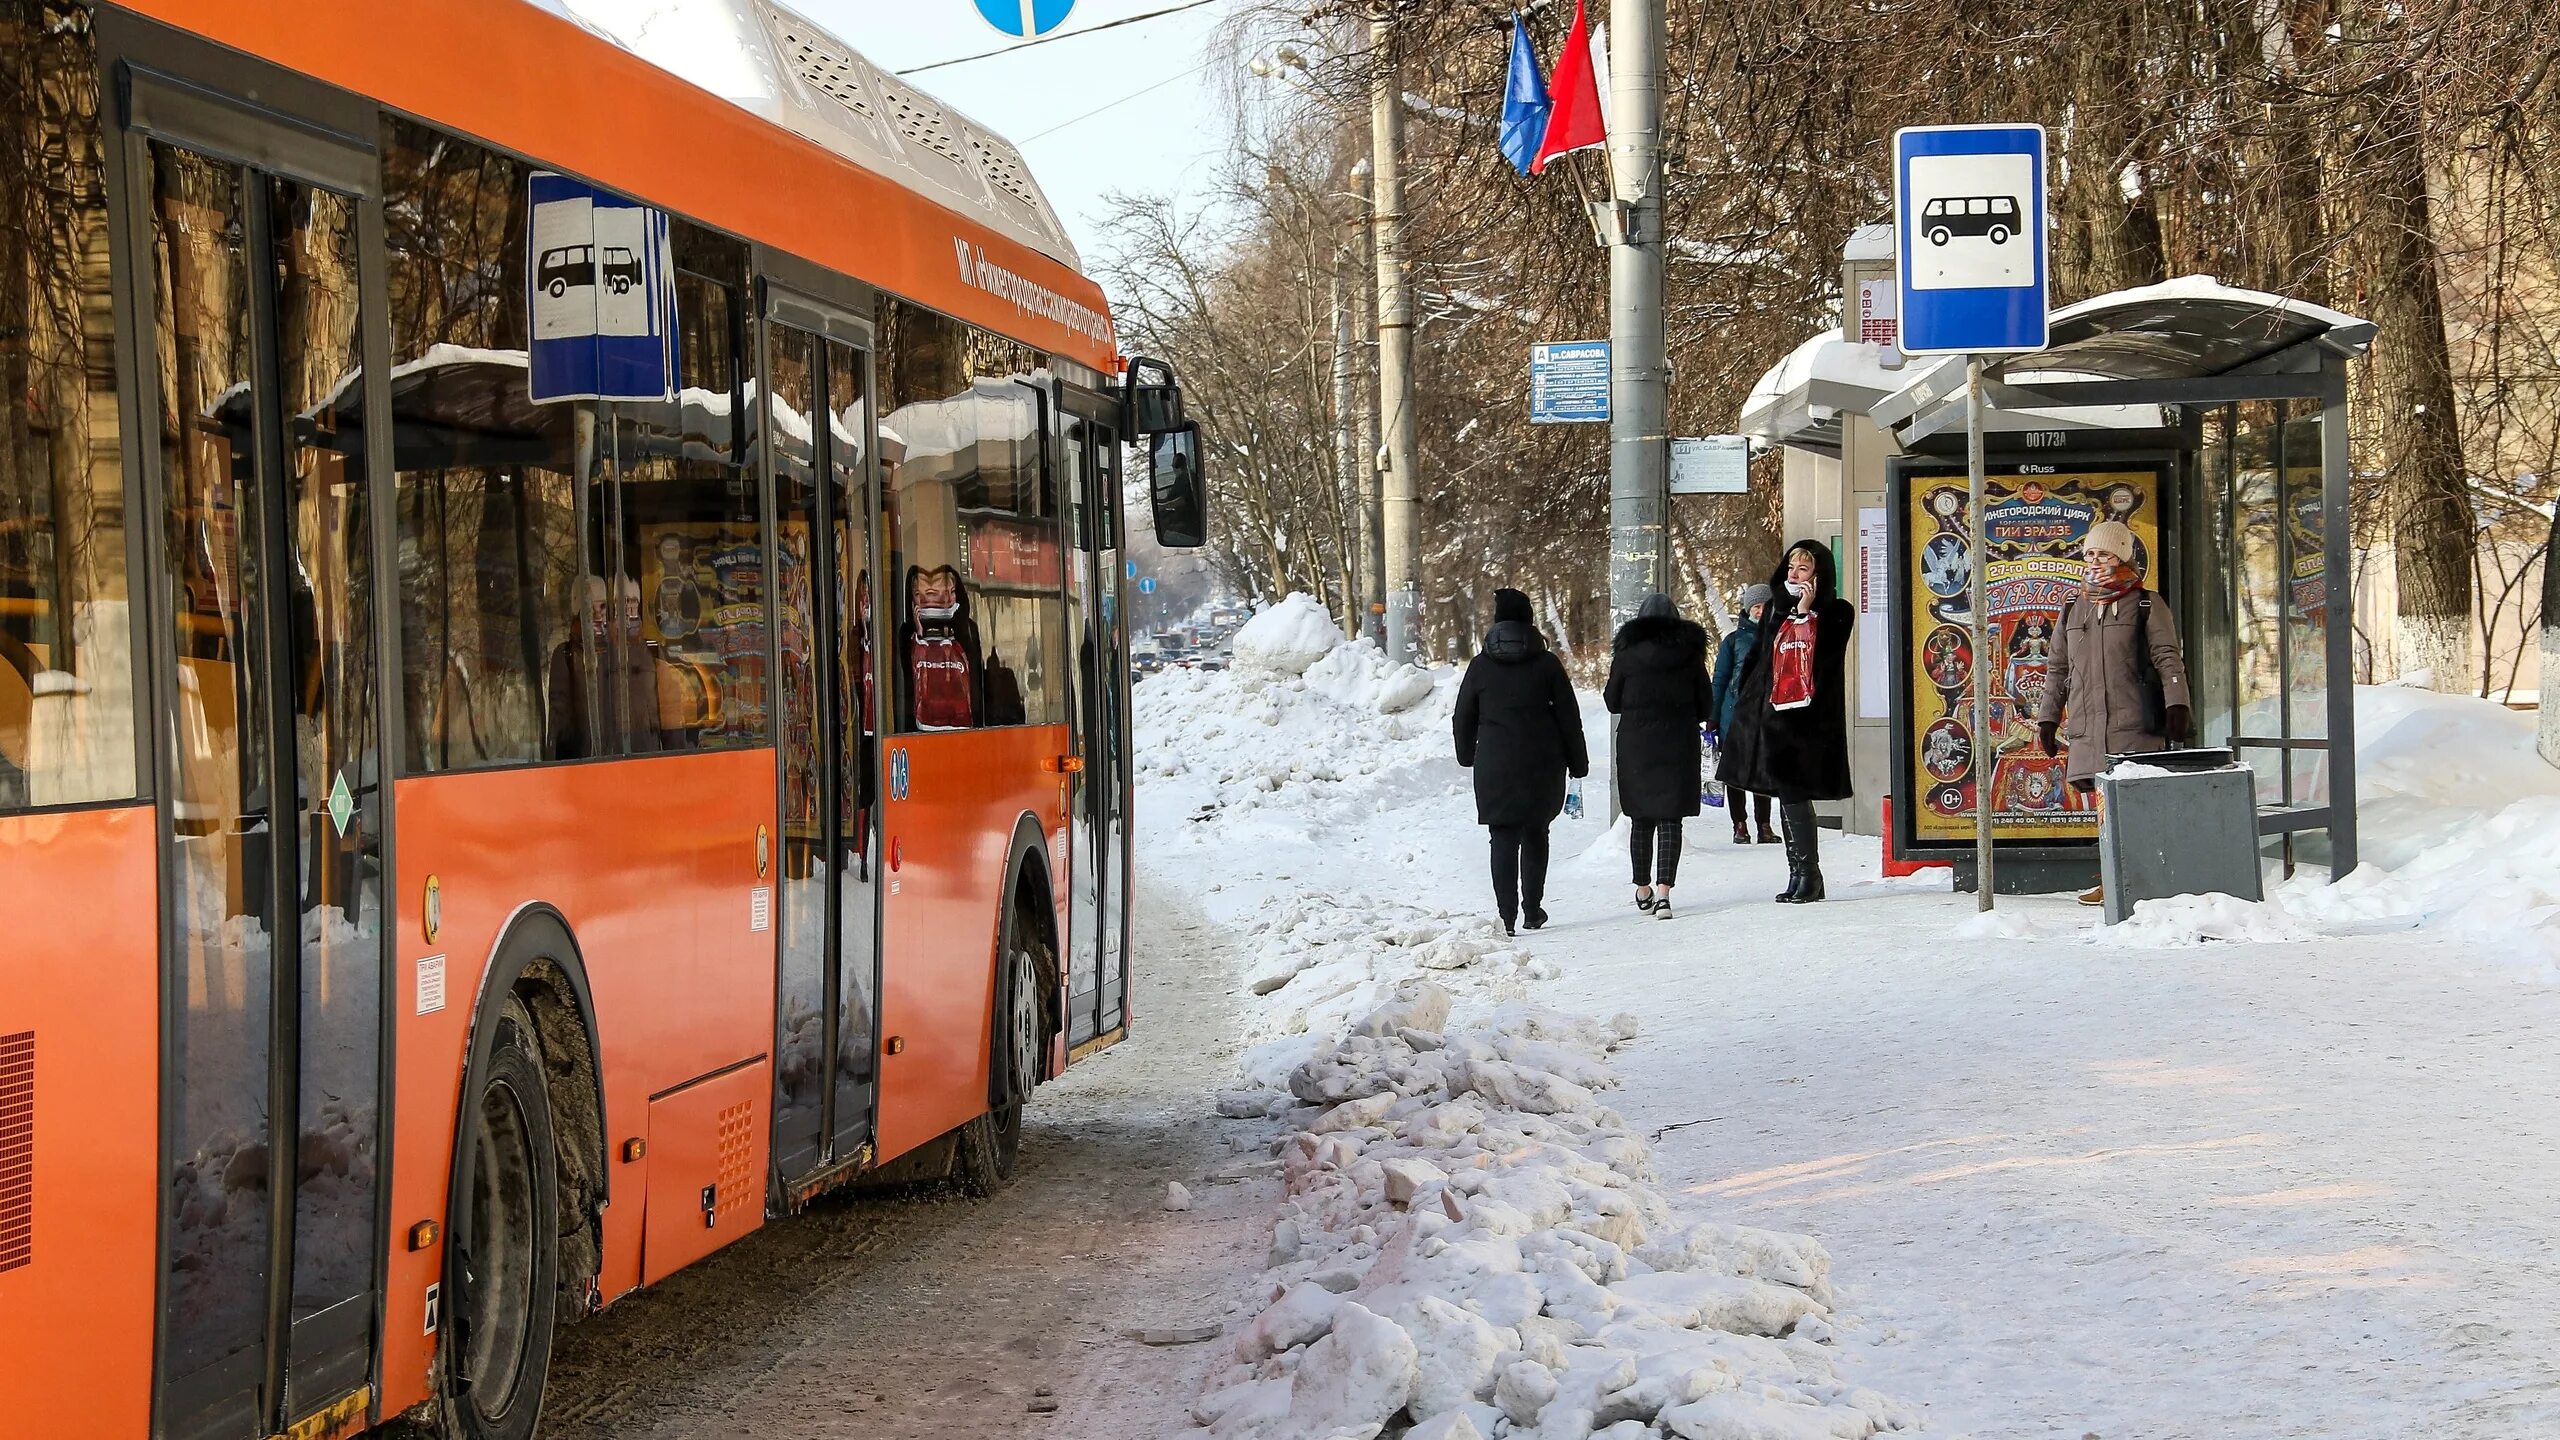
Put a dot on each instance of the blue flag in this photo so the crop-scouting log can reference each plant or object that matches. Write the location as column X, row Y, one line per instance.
column 1524, row 102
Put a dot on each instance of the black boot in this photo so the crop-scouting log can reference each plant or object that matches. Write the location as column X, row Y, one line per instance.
column 1804, row 857
column 1800, row 871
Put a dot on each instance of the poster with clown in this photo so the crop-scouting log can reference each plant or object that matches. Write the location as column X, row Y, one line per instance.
column 2035, row 515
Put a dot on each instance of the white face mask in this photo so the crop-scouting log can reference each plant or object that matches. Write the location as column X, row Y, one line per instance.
column 1797, row 588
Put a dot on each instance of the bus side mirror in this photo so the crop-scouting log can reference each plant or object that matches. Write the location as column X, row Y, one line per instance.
column 1179, row 489
column 1152, row 397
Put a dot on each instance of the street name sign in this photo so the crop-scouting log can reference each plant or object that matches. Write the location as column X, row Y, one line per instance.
column 1569, row 383
column 1969, row 228
column 1711, row 465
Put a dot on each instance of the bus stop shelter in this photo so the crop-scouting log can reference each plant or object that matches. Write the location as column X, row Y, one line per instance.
column 2257, row 557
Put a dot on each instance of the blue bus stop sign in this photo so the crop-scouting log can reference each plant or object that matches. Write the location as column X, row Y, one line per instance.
column 1969, row 223
column 1026, row 18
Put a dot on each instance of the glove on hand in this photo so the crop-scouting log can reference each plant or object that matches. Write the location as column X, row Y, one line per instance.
column 2047, row 738
column 2181, row 724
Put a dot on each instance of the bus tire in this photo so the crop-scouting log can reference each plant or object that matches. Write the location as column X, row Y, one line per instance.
column 494, row 1378
column 991, row 1145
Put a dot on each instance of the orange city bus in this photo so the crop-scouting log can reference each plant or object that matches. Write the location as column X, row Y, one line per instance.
column 607, row 546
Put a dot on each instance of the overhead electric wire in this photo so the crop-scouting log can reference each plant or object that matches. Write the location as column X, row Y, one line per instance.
column 1112, row 105
column 1060, row 35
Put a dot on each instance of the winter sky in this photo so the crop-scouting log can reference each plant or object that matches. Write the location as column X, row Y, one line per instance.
column 1164, row 140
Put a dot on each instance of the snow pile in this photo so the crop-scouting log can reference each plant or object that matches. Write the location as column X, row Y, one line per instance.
column 2181, row 920
column 1288, row 637
column 1319, row 748
column 2431, row 767
column 1315, row 963
column 1473, row 1246
column 1358, row 675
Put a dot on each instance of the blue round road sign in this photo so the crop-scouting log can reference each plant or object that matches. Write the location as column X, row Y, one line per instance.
column 1026, row 18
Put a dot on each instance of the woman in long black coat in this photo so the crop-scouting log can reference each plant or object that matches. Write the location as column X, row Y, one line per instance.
column 1790, row 730
column 1659, row 691
column 1520, row 730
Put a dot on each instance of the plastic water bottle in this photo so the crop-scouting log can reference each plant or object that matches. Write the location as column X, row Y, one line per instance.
column 1573, row 799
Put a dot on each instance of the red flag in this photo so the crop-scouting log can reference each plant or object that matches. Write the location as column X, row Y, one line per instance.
column 1575, row 122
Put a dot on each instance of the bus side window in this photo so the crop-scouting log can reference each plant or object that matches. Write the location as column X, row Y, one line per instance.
column 692, row 533
column 501, row 607
column 66, row 640
column 977, row 536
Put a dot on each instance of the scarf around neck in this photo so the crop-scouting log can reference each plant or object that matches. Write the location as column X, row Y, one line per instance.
column 2123, row 580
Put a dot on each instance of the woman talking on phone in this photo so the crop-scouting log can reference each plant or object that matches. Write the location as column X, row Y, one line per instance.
column 1790, row 732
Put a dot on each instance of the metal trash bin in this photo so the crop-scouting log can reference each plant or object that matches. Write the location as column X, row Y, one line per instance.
column 2177, row 822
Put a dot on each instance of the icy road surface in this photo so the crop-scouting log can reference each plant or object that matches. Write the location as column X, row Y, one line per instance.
column 937, row 1317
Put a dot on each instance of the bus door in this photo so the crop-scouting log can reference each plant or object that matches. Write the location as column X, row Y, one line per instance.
column 818, row 429
column 268, row 349
column 1098, row 808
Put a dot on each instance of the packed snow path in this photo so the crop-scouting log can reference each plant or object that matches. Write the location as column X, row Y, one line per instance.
column 2222, row 1191
column 2070, row 1189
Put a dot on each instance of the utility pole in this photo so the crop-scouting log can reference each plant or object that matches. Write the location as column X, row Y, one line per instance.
column 1364, row 421
column 1402, row 540
column 1639, row 362
column 1346, row 458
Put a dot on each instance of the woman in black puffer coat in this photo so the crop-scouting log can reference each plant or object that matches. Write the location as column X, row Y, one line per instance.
column 1790, row 731
column 1520, row 729
column 1659, row 691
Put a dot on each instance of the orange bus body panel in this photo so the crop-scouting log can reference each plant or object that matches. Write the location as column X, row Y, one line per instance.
column 948, row 840
column 709, row 1147
column 495, row 70
column 652, row 861
column 82, row 972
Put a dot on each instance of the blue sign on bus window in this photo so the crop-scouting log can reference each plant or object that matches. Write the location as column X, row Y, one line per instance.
column 601, row 273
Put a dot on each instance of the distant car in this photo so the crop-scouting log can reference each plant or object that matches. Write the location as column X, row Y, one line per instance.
column 1212, row 662
column 1146, row 663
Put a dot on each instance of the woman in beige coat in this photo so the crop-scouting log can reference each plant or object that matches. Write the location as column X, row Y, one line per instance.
column 2117, row 680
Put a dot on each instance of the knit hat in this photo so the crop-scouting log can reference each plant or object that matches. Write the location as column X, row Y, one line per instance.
column 1510, row 605
column 2113, row 536
column 1658, row 607
column 1756, row 595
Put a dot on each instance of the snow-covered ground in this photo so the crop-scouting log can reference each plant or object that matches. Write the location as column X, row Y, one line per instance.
column 2069, row 1187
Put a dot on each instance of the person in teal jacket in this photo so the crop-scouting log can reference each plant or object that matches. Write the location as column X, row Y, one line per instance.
column 1731, row 656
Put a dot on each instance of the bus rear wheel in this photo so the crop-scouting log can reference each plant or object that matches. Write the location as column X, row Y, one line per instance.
column 509, row 1273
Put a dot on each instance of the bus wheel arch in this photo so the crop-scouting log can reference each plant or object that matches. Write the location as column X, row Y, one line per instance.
column 534, row 997
column 1030, row 915
column 1023, row 1014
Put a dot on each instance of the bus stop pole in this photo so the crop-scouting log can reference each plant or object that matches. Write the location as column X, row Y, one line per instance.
column 1984, row 752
